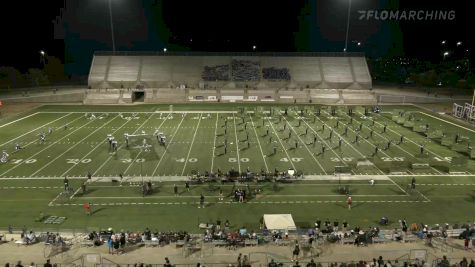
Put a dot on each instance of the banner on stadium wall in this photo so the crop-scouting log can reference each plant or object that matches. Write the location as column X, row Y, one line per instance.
column 252, row 98
column 212, row 97
column 287, row 97
column 232, row 97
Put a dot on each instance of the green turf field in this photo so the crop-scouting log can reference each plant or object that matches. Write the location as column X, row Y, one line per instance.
column 202, row 138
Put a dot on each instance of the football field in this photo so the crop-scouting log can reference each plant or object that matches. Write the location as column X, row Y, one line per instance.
column 331, row 151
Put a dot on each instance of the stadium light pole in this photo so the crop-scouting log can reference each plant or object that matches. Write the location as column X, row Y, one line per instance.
column 347, row 26
column 112, row 26
column 42, row 58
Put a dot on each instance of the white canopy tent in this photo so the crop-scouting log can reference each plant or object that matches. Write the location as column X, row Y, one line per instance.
column 279, row 222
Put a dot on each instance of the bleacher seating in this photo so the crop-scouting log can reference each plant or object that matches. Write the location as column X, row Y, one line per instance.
column 193, row 71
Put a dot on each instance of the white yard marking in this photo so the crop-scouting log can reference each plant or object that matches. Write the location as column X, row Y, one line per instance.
column 283, row 147
column 166, row 149
column 398, row 146
column 73, row 146
column 214, row 142
column 191, row 146
column 6, row 124
column 14, row 167
column 301, row 141
column 259, row 143
column 135, row 131
column 433, row 153
column 92, row 150
column 237, row 144
column 36, row 141
column 353, row 146
column 34, row 129
column 465, row 128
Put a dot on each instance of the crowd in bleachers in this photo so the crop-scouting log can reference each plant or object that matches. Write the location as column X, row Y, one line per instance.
column 276, row 74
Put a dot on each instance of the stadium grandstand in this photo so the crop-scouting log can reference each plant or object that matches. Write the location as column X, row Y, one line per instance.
column 181, row 77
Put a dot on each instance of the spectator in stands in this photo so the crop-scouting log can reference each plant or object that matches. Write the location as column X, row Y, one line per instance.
column 32, row 264
column 247, row 263
column 296, row 252
column 272, row 263
column 239, row 260
column 48, row 263
column 19, row 264
column 110, row 245
column 311, row 264
column 30, row 238
column 8, row 264
column 296, row 264
column 444, row 262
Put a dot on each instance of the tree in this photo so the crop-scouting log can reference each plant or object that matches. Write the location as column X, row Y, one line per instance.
column 54, row 69
column 11, row 78
column 37, row 77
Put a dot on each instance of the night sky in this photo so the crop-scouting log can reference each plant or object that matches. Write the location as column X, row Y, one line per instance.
column 73, row 29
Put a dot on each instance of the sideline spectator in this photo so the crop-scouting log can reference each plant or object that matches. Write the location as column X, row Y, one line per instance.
column 48, row 263
column 311, row 264
column 296, row 252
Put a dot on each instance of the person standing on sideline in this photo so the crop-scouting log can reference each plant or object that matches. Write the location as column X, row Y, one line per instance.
column 413, row 183
column 349, row 201
column 202, row 201
column 187, row 186
column 175, row 189
column 296, row 252
column 87, row 208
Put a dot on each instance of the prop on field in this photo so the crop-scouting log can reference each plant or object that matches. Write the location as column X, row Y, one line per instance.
column 141, row 141
column 4, row 158
column 465, row 112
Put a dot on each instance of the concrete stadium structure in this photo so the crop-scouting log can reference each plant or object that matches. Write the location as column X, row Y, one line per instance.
column 181, row 77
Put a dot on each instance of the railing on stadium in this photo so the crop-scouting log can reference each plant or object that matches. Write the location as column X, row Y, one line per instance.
column 267, row 54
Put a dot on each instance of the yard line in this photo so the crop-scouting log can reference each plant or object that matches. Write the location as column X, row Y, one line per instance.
column 460, row 126
column 350, row 143
column 214, row 142
column 310, row 152
column 166, row 149
column 237, row 144
column 427, row 199
column 441, row 157
column 191, row 145
column 140, row 152
column 387, row 155
column 280, row 141
column 98, row 145
column 14, row 167
column 259, row 143
column 6, row 124
column 73, row 146
column 344, row 139
column 398, row 146
column 37, row 140
column 398, row 186
column 35, row 129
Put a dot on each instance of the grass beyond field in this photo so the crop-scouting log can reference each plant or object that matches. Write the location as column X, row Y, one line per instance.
column 209, row 138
